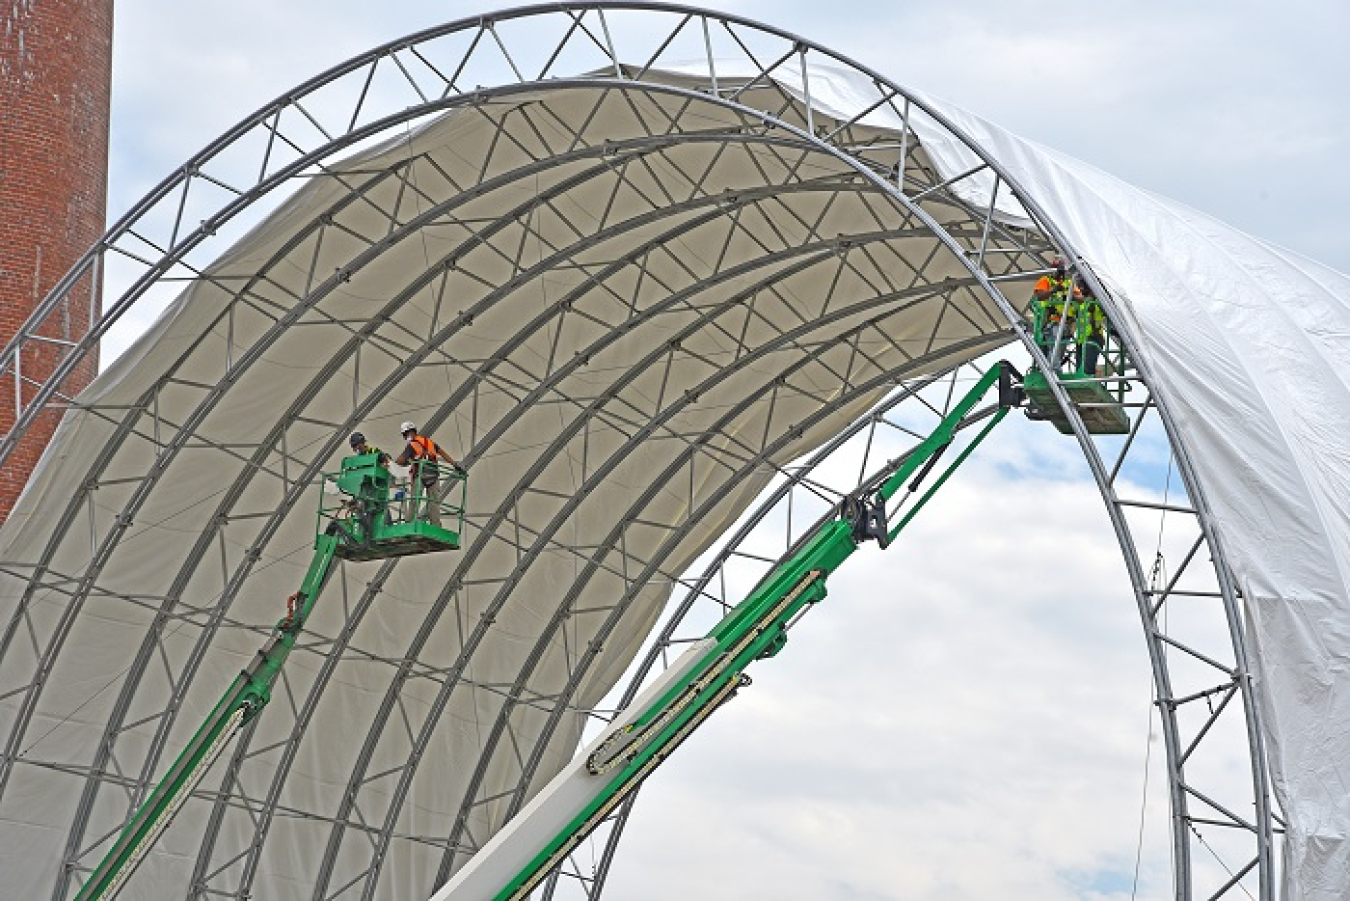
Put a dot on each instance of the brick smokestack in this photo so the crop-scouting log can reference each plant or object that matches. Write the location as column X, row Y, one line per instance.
column 55, row 77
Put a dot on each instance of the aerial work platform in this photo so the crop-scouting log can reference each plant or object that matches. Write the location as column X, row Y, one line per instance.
column 1087, row 359
column 1098, row 406
column 377, row 516
column 403, row 539
column 364, row 514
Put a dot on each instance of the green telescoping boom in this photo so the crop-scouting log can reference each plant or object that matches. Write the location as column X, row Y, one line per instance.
column 755, row 629
column 359, row 519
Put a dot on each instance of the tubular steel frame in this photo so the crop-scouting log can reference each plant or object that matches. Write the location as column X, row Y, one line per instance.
column 238, row 176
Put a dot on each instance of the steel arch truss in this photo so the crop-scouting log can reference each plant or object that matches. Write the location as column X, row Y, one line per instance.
column 1198, row 712
column 634, row 281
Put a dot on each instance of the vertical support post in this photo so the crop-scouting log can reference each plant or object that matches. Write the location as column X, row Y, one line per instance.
column 806, row 89
column 712, row 65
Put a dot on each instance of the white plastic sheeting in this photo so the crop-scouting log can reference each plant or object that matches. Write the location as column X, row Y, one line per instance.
column 1251, row 348
column 1248, row 344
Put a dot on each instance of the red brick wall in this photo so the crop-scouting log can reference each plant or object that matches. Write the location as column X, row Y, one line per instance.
column 55, row 75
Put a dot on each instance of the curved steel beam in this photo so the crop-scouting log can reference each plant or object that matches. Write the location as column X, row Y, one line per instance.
column 527, row 277
column 747, row 197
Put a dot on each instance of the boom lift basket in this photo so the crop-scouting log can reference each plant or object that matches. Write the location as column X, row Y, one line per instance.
column 376, row 516
column 1099, row 394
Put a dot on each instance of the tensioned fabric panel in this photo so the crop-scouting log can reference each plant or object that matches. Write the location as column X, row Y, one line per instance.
column 625, row 309
column 1246, row 344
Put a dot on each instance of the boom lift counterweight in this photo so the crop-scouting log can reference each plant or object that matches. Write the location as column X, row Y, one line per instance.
column 365, row 523
column 711, row 670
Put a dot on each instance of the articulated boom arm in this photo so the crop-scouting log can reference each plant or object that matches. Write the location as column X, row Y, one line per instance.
column 523, row 852
column 245, row 699
column 365, row 524
column 870, row 518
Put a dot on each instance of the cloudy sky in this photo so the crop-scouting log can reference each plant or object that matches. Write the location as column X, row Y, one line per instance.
column 960, row 720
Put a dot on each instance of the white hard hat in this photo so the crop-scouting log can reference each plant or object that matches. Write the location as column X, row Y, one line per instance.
column 406, row 428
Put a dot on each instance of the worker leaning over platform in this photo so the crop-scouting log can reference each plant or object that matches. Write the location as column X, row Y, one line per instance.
column 1052, row 292
column 421, row 453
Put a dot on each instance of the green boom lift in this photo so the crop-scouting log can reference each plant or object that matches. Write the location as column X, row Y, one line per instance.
column 585, row 793
column 359, row 519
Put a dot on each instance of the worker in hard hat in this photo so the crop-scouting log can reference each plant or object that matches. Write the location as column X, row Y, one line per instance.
column 360, row 446
column 1052, row 292
column 351, row 507
column 422, row 454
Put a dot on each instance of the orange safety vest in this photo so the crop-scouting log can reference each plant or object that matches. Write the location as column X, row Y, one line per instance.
column 424, row 459
column 1059, row 292
column 423, row 447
